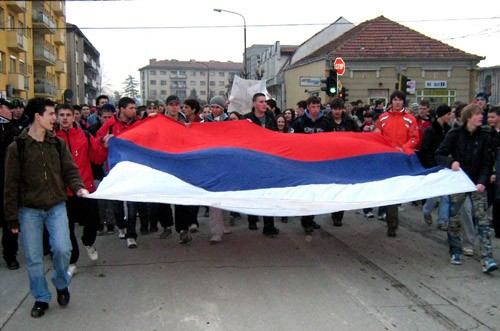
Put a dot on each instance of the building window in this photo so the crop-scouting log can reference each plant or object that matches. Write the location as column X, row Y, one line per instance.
column 203, row 92
column 153, row 72
column 436, row 97
column 22, row 68
column 203, row 73
column 192, row 83
column 163, row 72
column 1, row 18
column 152, row 82
column 10, row 22
column 203, row 83
column 221, row 83
column 2, row 62
column 163, row 82
column 163, row 92
column 221, row 73
column 212, row 83
column 182, row 72
column 12, row 65
column 192, row 73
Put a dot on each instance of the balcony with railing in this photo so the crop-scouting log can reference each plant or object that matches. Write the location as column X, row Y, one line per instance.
column 43, row 23
column 17, row 42
column 16, row 6
column 60, row 37
column 44, row 56
column 17, row 81
column 61, row 67
column 178, row 76
column 59, row 7
column 45, row 89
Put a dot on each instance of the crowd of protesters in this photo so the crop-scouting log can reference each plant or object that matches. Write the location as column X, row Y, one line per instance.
column 54, row 155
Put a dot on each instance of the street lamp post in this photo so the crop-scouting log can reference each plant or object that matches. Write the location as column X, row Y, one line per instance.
column 244, row 37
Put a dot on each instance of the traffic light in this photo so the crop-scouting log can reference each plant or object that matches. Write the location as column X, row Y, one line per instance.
column 403, row 83
column 331, row 84
column 324, row 81
column 343, row 94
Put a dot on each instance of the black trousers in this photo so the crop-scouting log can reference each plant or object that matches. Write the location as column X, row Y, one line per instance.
column 86, row 212
column 268, row 220
column 9, row 244
column 184, row 215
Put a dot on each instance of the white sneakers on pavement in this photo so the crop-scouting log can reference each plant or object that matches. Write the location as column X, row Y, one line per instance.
column 122, row 233
column 72, row 270
column 131, row 243
column 92, row 252
column 216, row 238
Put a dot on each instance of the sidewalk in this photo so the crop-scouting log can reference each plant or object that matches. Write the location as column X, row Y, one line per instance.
column 348, row 278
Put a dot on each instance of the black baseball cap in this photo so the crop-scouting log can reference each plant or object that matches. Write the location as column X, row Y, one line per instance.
column 4, row 102
column 172, row 98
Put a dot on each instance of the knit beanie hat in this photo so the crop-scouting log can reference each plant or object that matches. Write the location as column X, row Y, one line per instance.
column 442, row 110
column 218, row 100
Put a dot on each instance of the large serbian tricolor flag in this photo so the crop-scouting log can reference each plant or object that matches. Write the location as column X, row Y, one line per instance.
column 240, row 166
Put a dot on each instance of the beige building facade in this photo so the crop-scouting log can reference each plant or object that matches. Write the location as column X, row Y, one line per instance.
column 32, row 49
column 376, row 54
column 186, row 79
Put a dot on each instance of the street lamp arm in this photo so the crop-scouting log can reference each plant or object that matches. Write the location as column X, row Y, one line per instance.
column 232, row 12
column 244, row 37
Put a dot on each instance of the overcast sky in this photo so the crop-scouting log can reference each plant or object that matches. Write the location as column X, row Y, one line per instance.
column 190, row 29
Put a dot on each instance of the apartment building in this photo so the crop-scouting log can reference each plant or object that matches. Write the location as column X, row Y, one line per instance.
column 16, row 61
column 49, row 49
column 32, row 49
column 84, row 70
column 186, row 79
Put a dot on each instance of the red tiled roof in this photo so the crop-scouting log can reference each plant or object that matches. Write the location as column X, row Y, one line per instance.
column 194, row 65
column 381, row 38
column 288, row 49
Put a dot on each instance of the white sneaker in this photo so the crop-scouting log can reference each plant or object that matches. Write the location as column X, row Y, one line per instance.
column 467, row 251
column 72, row 270
column 193, row 228
column 369, row 215
column 122, row 233
column 92, row 252
column 216, row 238
column 131, row 243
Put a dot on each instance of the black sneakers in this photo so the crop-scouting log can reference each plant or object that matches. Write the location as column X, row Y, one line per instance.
column 12, row 264
column 270, row 231
column 39, row 309
column 63, row 297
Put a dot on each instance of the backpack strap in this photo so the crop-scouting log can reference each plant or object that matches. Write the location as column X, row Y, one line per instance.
column 21, row 146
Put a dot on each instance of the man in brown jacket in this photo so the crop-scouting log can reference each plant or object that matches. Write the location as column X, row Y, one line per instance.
column 38, row 168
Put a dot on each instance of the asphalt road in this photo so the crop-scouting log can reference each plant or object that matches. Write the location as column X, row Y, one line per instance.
column 348, row 278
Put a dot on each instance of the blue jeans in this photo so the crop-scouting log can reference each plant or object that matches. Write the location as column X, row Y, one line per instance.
column 443, row 210
column 32, row 222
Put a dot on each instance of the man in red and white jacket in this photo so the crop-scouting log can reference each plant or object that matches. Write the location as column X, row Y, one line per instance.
column 400, row 128
column 125, row 118
column 85, row 150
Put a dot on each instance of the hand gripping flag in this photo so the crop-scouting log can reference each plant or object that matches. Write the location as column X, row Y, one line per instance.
column 242, row 167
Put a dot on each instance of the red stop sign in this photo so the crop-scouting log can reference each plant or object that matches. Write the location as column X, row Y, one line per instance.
column 339, row 65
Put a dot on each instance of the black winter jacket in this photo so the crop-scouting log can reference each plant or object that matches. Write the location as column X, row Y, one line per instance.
column 305, row 124
column 472, row 150
column 270, row 120
column 433, row 137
